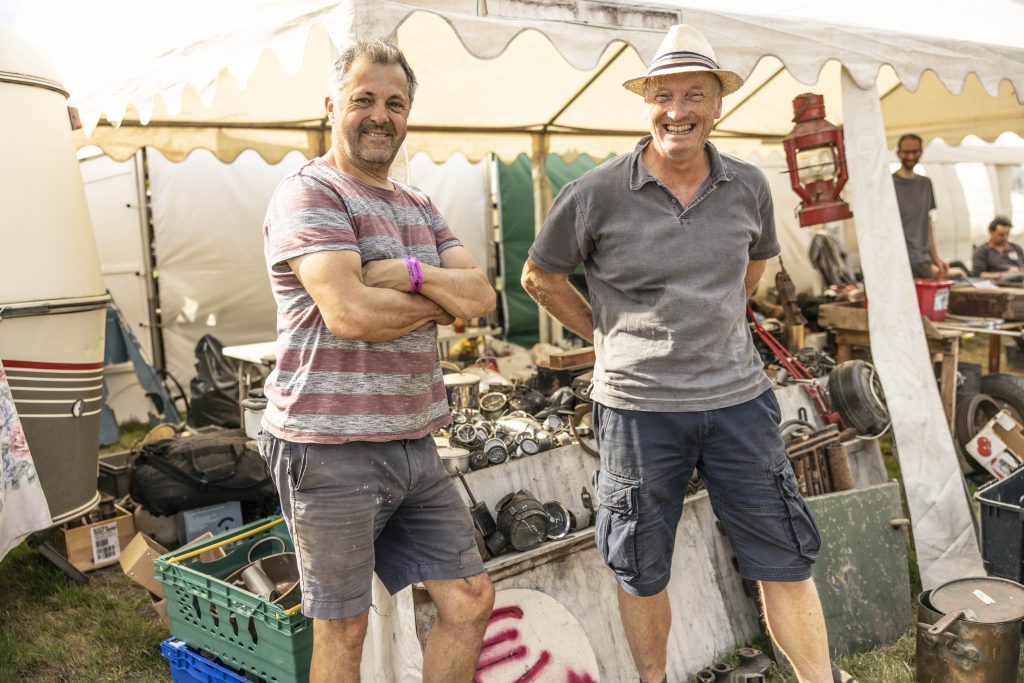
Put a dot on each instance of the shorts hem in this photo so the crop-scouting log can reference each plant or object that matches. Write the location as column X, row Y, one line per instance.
column 643, row 590
column 334, row 609
column 430, row 572
column 780, row 574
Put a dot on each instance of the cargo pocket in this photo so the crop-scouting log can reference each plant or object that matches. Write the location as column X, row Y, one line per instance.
column 615, row 525
column 803, row 530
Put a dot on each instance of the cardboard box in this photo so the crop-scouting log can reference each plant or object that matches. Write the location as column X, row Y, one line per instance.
column 137, row 560
column 92, row 546
column 999, row 445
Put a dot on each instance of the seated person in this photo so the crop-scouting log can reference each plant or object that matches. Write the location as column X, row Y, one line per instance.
column 999, row 258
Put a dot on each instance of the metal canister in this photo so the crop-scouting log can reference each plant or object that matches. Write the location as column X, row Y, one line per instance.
column 968, row 631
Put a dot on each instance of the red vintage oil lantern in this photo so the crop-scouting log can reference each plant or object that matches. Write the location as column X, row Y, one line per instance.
column 817, row 162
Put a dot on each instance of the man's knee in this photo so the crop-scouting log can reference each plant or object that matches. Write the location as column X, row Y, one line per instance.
column 466, row 601
column 348, row 632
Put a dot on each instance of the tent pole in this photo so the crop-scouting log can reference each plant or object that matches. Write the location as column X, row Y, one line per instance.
column 943, row 530
column 549, row 329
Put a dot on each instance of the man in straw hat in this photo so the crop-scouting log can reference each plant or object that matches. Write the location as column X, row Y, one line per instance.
column 674, row 236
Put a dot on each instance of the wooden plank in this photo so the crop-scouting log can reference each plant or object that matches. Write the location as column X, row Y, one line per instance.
column 843, row 316
column 575, row 358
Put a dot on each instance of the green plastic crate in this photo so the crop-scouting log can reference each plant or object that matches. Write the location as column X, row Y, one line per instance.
column 244, row 630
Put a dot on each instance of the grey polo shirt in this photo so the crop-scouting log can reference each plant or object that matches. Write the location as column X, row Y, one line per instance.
column 666, row 281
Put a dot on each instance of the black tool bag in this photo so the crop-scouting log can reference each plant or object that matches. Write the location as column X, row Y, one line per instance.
column 214, row 389
column 187, row 472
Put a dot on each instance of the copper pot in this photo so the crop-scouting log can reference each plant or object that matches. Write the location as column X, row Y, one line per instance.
column 971, row 633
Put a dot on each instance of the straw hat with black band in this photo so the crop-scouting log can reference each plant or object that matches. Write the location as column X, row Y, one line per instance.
column 685, row 50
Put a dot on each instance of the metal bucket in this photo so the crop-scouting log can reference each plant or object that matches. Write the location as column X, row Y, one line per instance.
column 966, row 638
column 463, row 390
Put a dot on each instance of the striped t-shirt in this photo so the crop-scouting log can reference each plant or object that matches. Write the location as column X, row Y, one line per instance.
column 326, row 389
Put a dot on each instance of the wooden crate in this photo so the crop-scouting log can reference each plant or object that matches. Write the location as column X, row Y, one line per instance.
column 1004, row 303
column 92, row 546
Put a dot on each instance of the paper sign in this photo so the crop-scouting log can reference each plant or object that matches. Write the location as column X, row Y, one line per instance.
column 105, row 544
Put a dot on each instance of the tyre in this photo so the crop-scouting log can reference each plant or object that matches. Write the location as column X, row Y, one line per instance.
column 1007, row 391
column 856, row 393
column 971, row 417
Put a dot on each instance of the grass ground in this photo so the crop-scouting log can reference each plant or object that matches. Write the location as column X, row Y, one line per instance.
column 51, row 629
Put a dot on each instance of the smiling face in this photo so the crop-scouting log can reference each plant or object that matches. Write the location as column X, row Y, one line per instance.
column 682, row 109
column 370, row 116
column 909, row 153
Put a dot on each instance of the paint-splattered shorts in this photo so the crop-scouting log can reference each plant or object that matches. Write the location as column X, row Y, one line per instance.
column 357, row 508
column 646, row 462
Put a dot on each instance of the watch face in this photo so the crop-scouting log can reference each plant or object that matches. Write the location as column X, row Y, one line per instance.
column 478, row 460
column 496, row 451
column 493, row 401
column 529, row 447
column 528, row 532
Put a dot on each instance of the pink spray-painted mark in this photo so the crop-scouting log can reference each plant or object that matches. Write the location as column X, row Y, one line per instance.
column 573, row 677
column 510, row 612
column 500, row 637
column 534, row 671
column 500, row 658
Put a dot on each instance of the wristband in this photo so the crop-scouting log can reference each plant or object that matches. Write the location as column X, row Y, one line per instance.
column 415, row 274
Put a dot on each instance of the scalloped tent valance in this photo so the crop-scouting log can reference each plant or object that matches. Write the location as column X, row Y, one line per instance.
column 235, row 75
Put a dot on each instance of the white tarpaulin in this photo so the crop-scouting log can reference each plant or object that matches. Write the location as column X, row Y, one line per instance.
column 944, row 536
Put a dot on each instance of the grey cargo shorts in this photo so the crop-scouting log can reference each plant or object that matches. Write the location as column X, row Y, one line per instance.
column 363, row 507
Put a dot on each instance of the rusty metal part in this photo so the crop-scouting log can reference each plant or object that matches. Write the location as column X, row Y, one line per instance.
column 839, row 467
column 951, row 649
column 808, row 453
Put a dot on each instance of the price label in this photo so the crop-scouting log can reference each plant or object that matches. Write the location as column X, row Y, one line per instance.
column 106, row 546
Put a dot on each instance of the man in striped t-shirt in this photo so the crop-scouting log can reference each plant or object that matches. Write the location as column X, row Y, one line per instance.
column 363, row 269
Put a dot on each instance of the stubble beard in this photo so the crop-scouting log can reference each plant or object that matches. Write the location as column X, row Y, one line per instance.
column 373, row 159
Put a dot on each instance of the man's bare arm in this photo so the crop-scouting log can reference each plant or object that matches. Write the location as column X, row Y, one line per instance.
column 936, row 259
column 352, row 310
column 459, row 286
column 755, row 269
column 555, row 294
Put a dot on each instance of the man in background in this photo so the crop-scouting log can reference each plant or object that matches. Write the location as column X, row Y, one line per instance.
column 916, row 201
column 999, row 258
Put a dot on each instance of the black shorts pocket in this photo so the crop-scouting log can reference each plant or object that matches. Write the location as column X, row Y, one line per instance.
column 615, row 523
column 802, row 528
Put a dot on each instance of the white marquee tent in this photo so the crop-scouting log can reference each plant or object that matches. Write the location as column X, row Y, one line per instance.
column 496, row 74
column 512, row 76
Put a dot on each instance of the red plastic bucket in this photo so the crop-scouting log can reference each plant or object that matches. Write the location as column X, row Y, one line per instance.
column 933, row 298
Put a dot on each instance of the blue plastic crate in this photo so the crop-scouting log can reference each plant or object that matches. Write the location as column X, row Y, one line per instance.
column 188, row 666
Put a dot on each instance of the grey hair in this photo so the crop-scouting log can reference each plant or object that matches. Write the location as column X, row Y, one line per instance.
column 377, row 51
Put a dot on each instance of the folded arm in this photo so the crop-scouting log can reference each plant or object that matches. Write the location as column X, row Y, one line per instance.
column 459, row 286
column 555, row 294
column 353, row 310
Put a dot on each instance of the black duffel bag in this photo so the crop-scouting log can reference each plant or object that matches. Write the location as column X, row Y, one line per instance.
column 188, row 472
